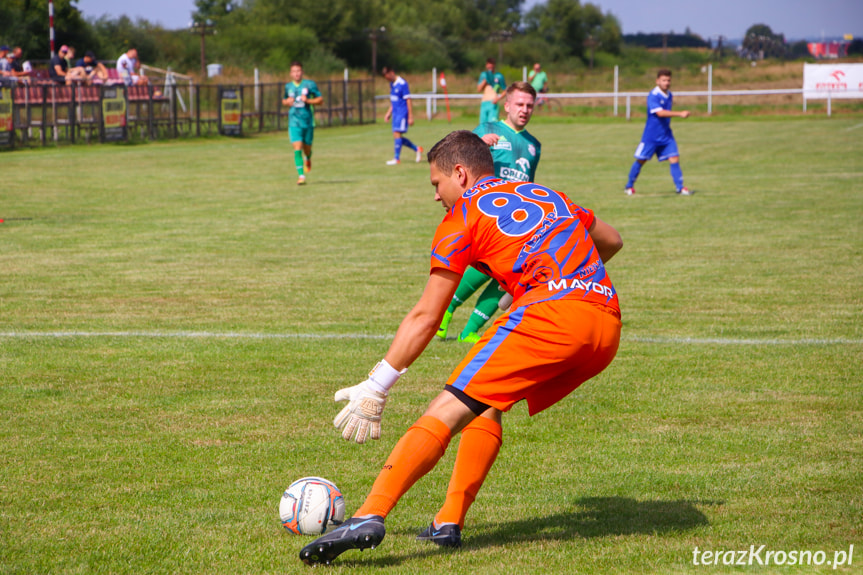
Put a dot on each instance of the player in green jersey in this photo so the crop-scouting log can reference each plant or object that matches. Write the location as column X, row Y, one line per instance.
column 491, row 85
column 539, row 80
column 516, row 156
column 302, row 95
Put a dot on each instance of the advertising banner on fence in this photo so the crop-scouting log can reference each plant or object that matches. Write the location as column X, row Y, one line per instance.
column 7, row 128
column 821, row 81
column 113, row 113
column 231, row 107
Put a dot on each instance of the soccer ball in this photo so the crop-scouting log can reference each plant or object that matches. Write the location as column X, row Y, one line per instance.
column 311, row 505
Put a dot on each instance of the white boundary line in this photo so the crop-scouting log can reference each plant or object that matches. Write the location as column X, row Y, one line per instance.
column 743, row 341
column 369, row 336
column 189, row 335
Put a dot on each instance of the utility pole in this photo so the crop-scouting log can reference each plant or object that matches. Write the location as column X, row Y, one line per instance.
column 373, row 36
column 591, row 43
column 203, row 27
column 500, row 37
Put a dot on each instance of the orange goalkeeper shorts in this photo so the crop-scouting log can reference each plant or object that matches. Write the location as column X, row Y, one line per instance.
column 540, row 352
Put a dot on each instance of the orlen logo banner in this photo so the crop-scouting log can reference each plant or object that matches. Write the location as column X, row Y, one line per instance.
column 837, row 80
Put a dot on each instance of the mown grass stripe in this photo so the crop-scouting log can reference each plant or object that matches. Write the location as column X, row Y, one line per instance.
column 371, row 336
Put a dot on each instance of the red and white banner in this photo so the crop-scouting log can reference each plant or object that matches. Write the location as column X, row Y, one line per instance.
column 833, row 80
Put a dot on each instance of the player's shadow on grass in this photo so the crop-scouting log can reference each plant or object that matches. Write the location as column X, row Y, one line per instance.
column 599, row 517
column 592, row 517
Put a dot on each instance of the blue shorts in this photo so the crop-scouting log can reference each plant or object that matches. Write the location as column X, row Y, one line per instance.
column 400, row 124
column 662, row 150
column 304, row 135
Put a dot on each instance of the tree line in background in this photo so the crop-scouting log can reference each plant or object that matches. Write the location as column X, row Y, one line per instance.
column 329, row 35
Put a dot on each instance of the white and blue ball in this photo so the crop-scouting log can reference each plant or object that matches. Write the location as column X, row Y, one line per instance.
column 311, row 506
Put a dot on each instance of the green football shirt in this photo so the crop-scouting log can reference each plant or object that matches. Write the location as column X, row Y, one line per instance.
column 539, row 80
column 301, row 115
column 494, row 79
column 516, row 154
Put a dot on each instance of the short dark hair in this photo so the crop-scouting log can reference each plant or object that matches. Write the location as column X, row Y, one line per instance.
column 520, row 87
column 296, row 63
column 465, row 148
column 386, row 70
column 490, row 61
column 663, row 72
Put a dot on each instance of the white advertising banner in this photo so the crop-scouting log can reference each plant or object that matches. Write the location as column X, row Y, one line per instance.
column 833, row 80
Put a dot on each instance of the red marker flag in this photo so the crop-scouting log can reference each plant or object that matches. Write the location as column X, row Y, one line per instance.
column 446, row 97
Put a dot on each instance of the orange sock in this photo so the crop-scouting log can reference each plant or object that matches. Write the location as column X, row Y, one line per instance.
column 479, row 446
column 416, row 453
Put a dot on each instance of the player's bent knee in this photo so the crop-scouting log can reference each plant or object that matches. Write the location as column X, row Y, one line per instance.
column 475, row 406
column 451, row 407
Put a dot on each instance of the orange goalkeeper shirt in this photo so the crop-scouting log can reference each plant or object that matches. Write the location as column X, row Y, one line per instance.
column 533, row 240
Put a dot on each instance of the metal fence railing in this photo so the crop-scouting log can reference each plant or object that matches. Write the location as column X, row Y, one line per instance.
column 432, row 101
column 40, row 114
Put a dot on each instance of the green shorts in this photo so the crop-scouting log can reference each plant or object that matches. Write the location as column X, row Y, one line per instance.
column 488, row 112
column 304, row 135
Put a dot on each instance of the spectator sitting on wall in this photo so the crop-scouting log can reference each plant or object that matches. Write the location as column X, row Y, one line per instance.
column 94, row 71
column 58, row 66
column 128, row 67
column 58, row 69
column 20, row 70
column 74, row 73
column 5, row 65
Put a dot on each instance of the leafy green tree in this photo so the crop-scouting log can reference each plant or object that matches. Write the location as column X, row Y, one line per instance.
column 575, row 28
column 441, row 30
column 121, row 34
column 25, row 23
column 212, row 10
column 328, row 20
column 760, row 42
column 610, row 34
column 559, row 22
column 272, row 48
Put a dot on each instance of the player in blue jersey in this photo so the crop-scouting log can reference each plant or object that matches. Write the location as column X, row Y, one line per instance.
column 657, row 138
column 401, row 112
column 302, row 95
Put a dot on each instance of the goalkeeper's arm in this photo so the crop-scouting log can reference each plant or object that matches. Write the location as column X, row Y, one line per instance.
column 606, row 239
column 361, row 418
column 422, row 322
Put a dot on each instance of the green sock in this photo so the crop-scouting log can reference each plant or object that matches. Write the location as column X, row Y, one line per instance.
column 471, row 281
column 298, row 161
column 486, row 305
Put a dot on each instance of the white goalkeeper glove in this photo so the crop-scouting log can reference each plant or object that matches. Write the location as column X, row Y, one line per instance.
column 361, row 417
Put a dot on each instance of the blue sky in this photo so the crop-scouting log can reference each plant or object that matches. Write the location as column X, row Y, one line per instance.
column 709, row 18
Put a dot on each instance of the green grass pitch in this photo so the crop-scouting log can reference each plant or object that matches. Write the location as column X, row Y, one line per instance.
column 175, row 318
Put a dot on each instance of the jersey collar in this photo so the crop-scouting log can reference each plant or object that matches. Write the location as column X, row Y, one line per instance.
column 505, row 123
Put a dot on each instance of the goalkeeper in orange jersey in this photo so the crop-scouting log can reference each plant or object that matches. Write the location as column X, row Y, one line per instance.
column 562, row 329
column 516, row 157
